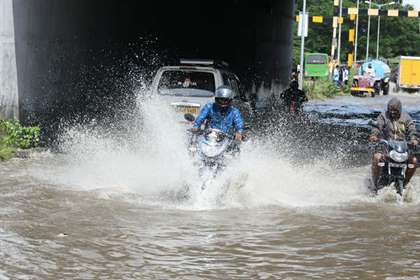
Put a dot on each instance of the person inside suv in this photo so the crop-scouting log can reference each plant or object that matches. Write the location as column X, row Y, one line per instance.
column 221, row 114
column 187, row 82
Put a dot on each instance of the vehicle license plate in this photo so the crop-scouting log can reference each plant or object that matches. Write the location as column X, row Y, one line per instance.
column 187, row 109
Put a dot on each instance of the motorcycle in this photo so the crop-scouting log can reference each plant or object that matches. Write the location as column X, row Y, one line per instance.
column 211, row 148
column 395, row 164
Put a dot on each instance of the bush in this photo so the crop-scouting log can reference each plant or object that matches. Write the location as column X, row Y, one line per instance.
column 320, row 88
column 14, row 135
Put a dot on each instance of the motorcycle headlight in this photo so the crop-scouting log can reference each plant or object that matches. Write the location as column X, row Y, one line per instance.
column 398, row 157
column 386, row 80
column 210, row 151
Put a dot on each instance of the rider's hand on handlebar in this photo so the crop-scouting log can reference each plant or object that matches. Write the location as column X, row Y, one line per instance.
column 373, row 138
column 414, row 142
column 238, row 136
column 194, row 130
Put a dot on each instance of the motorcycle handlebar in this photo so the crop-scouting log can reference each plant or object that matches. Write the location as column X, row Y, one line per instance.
column 412, row 148
column 204, row 131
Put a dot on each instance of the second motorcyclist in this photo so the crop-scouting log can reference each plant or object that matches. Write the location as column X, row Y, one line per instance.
column 221, row 114
column 293, row 97
column 393, row 124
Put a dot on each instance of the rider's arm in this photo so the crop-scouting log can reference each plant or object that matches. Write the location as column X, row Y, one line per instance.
column 377, row 131
column 304, row 98
column 411, row 129
column 380, row 122
column 238, row 121
column 202, row 116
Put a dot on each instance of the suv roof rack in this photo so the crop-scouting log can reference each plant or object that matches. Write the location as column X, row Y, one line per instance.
column 204, row 62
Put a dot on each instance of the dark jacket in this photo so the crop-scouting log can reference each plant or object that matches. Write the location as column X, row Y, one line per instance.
column 402, row 128
column 295, row 95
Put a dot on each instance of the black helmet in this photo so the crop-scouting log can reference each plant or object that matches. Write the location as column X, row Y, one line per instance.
column 294, row 84
column 223, row 96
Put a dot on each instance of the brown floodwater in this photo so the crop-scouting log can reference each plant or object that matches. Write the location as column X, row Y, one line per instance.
column 321, row 225
column 131, row 207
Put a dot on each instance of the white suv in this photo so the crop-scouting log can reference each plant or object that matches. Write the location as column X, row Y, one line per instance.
column 190, row 85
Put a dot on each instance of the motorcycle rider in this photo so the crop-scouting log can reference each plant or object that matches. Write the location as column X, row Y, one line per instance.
column 394, row 124
column 293, row 94
column 221, row 114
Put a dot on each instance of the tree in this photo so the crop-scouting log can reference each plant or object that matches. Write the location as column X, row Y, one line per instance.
column 399, row 35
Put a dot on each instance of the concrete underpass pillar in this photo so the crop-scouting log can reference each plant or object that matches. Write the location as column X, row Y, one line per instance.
column 8, row 74
column 274, row 40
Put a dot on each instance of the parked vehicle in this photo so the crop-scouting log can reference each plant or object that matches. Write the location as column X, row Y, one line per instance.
column 189, row 86
column 363, row 86
column 316, row 65
column 409, row 73
column 372, row 82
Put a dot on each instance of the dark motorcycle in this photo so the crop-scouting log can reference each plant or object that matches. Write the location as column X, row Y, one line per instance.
column 396, row 155
column 395, row 162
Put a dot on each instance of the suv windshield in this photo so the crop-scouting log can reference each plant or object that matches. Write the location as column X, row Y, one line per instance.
column 187, row 83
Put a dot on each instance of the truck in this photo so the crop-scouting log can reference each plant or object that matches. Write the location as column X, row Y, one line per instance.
column 409, row 73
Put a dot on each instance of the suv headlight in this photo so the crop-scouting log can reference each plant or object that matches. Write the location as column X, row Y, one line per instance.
column 398, row 157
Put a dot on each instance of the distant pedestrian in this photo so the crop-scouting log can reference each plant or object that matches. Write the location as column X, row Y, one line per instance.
column 336, row 76
column 345, row 75
column 370, row 70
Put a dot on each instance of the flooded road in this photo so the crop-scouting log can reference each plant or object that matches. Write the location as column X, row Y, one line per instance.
column 113, row 207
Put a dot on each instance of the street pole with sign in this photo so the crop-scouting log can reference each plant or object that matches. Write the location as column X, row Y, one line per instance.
column 303, row 28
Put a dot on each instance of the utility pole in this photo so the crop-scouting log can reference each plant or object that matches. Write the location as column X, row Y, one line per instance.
column 334, row 38
column 339, row 31
column 357, row 30
column 368, row 31
column 302, row 43
column 377, row 36
column 379, row 23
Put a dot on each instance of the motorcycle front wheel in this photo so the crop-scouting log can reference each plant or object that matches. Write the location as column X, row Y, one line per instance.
column 399, row 187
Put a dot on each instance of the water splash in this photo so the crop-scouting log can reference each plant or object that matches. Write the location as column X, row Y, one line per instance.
column 147, row 163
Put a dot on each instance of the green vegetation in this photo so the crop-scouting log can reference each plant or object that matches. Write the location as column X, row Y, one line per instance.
column 398, row 36
column 15, row 136
column 320, row 88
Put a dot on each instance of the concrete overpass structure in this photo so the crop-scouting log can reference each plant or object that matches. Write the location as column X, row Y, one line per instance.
column 64, row 58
